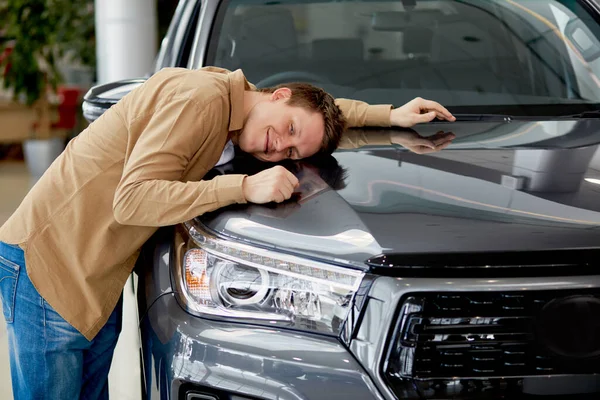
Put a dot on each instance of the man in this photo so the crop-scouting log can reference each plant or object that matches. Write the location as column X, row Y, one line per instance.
column 70, row 246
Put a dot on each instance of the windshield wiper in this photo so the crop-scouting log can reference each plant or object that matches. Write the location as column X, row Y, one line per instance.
column 582, row 115
column 484, row 117
column 509, row 118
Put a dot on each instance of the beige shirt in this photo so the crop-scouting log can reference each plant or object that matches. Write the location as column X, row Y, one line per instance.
column 138, row 167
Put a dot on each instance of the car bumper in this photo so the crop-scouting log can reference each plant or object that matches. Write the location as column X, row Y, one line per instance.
column 195, row 355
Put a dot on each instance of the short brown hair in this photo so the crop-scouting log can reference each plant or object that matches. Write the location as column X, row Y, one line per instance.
column 317, row 100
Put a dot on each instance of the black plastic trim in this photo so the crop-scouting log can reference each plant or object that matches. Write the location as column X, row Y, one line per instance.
column 568, row 262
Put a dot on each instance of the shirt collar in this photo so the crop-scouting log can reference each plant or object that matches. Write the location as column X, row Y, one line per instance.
column 237, row 85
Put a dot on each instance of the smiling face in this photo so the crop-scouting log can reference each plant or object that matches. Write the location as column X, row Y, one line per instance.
column 274, row 130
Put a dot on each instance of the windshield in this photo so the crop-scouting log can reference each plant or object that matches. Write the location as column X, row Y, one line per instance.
column 460, row 53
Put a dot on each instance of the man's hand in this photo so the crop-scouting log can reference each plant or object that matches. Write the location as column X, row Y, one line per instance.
column 418, row 111
column 273, row 184
column 420, row 145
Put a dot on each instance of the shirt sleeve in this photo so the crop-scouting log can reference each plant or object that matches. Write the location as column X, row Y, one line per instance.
column 150, row 192
column 359, row 113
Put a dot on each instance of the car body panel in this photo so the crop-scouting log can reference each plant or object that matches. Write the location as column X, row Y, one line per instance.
column 462, row 200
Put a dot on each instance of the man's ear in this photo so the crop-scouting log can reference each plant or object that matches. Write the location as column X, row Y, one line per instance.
column 281, row 93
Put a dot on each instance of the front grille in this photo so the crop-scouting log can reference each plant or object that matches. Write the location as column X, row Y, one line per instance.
column 487, row 334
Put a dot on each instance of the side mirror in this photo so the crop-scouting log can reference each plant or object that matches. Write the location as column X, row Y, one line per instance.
column 100, row 98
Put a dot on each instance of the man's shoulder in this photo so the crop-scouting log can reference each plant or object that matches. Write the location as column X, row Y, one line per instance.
column 200, row 85
column 206, row 72
column 185, row 78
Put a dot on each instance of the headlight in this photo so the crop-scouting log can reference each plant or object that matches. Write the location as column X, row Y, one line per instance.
column 232, row 280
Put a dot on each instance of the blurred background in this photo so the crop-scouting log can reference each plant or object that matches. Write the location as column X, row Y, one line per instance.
column 51, row 53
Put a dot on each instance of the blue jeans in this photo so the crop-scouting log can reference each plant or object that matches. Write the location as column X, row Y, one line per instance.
column 49, row 359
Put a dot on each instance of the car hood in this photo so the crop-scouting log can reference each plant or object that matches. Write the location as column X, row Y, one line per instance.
column 518, row 186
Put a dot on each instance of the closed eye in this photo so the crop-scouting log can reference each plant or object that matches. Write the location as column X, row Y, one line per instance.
column 290, row 150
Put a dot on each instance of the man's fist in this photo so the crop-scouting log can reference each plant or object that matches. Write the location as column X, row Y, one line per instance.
column 273, row 184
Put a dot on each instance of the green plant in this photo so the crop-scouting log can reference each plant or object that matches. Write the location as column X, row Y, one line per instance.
column 38, row 33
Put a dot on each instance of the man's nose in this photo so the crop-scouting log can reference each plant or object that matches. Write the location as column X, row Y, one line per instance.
column 281, row 144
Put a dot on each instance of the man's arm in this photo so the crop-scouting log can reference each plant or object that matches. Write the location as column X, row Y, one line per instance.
column 361, row 114
column 150, row 192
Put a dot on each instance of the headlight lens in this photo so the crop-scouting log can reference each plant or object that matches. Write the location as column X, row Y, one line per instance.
column 230, row 279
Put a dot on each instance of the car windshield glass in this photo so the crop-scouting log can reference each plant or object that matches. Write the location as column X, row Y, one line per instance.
column 465, row 54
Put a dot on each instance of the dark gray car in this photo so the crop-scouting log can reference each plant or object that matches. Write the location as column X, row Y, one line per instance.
column 468, row 274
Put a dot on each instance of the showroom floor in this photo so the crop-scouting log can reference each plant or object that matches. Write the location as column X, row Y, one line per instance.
column 124, row 374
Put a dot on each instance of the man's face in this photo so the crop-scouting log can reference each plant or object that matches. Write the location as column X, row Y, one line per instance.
column 275, row 131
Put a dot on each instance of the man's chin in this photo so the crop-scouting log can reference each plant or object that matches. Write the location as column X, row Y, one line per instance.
column 258, row 156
